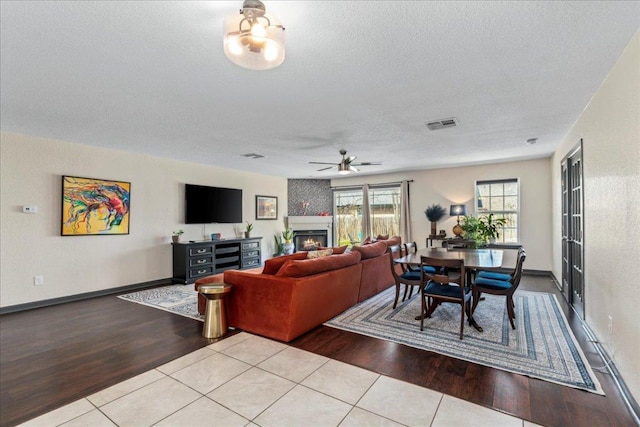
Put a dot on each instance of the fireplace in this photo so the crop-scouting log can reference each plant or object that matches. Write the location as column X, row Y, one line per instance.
column 311, row 230
column 309, row 240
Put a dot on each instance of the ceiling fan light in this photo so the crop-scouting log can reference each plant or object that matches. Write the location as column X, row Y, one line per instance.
column 343, row 169
column 253, row 39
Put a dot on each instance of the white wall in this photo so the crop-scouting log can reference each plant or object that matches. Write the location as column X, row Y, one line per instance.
column 457, row 185
column 31, row 243
column 610, row 129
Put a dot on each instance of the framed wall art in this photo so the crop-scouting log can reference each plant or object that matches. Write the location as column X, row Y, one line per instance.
column 266, row 207
column 93, row 206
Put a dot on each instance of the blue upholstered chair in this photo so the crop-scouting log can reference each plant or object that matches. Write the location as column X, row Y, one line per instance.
column 412, row 248
column 492, row 284
column 500, row 276
column 441, row 287
column 401, row 274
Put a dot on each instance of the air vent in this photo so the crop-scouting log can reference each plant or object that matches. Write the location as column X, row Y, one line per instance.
column 253, row 155
column 441, row 124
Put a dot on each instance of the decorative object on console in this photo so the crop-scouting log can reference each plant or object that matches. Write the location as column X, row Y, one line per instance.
column 434, row 213
column 176, row 236
column 247, row 231
column 279, row 245
column 266, row 207
column 305, row 207
column 253, row 39
column 458, row 210
column 94, row 206
column 216, row 236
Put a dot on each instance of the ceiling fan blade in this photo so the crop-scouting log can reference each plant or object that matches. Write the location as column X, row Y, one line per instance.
column 324, row 169
column 322, row 163
column 350, row 159
column 352, row 169
column 367, row 164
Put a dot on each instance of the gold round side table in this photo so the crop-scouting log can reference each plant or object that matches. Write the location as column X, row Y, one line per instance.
column 215, row 319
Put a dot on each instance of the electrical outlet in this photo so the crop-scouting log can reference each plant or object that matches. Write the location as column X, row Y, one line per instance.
column 610, row 325
column 38, row 280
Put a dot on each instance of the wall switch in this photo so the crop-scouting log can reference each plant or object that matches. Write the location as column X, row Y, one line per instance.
column 29, row 209
column 38, row 280
column 610, row 325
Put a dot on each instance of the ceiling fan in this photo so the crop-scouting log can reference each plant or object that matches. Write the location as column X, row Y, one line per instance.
column 346, row 165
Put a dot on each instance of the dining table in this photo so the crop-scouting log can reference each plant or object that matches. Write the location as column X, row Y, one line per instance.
column 474, row 259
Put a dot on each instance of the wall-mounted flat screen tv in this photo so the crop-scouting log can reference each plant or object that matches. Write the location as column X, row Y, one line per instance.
column 205, row 205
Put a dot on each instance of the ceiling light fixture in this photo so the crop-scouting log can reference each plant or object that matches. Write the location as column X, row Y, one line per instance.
column 344, row 169
column 253, row 39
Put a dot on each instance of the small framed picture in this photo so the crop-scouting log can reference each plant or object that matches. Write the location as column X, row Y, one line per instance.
column 266, row 207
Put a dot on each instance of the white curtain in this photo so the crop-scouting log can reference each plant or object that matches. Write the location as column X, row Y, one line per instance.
column 366, row 213
column 405, row 213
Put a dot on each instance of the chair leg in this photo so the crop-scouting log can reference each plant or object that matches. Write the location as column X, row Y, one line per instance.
column 462, row 307
column 406, row 288
column 410, row 291
column 397, row 295
column 423, row 312
column 511, row 312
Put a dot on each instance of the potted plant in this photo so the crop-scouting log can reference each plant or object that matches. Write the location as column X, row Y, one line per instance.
column 247, row 230
column 434, row 214
column 279, row 245
column 471, row 227
column 176, row 236
column 288, row 246
column 490, row 227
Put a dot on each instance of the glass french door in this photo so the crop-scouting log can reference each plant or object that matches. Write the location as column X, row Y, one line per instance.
column 573, row 229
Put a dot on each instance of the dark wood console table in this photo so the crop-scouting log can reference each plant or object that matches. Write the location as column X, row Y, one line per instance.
column 193, row 260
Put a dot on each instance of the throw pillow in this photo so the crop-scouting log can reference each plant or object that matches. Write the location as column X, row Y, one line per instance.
column 272, row 265
column 382, row 237
column 366, row 241
column 308, row 267
column 372, row 250
column 337, row 250
column 319, row 254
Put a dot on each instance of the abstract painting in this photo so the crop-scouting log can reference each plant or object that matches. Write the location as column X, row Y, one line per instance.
column 94, row 206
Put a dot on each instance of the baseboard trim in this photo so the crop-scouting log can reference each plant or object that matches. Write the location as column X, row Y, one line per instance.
column 80, row 297
column 629, row 401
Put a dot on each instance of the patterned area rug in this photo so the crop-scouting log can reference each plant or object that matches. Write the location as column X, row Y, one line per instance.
column 178, row 299
column 543, row 346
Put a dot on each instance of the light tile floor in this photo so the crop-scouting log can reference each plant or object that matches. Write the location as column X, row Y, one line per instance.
column 246, row 380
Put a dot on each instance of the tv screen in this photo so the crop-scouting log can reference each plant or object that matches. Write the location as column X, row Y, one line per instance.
column 204, row 205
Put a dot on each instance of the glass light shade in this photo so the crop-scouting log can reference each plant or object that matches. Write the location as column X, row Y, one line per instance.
column 248, row 47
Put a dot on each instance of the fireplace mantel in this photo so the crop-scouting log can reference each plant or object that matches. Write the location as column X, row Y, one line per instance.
column 298, row 223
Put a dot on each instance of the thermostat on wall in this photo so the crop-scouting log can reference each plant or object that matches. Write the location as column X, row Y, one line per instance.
column 29, row 209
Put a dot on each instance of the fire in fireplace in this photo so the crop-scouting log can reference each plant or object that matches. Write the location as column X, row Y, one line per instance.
column 308, row 240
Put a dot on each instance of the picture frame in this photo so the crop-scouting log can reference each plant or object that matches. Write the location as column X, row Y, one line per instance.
column 266, row 207
column 93, row 207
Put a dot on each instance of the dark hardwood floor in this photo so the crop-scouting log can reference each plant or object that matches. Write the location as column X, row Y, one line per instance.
column 52, row 356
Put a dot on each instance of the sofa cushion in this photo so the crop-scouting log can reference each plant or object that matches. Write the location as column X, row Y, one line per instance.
column 272, row 265
column 319, row 253
column 308, row 267
column 337, row 250
column 393, row 240
column 372, row 250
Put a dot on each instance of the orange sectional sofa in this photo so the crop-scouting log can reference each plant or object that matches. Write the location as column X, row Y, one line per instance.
column 291, row 294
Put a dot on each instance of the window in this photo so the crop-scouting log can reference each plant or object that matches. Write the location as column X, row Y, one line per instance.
column 384, row 204
column 501, row 198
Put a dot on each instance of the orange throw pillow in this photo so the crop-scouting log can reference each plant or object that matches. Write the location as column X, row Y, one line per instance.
column 272, row 265
column 337, row 250
column 372, row 250
column 308, row 267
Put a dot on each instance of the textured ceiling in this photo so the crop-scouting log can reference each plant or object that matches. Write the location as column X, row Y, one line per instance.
column 366, row 76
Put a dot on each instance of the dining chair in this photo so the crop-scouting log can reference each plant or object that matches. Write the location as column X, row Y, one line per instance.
column 442, row 287
column 488, row 274
column 412, row 248
column 500, row 287
column 402, row 275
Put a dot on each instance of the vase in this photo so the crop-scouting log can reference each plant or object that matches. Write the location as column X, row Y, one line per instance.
column 176, row 239
column 247, row 234
column 288, row 247
column 433, row 229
